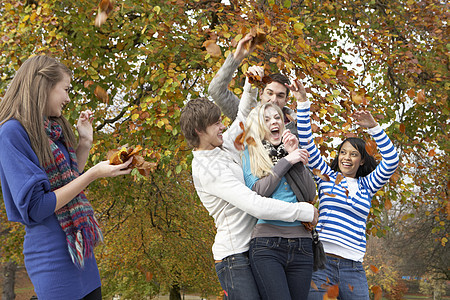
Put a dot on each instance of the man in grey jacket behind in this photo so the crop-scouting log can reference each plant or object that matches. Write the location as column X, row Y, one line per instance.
column 275, row 91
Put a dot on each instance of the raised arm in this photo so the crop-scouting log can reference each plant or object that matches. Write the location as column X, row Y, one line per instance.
column 218, row 88
column 304, row 129
column 380, row 176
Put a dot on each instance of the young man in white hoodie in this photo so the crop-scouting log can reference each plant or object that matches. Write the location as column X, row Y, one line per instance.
column 219, row 181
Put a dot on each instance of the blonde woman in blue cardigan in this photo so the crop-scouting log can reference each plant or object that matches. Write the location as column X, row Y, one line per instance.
column 345, row 200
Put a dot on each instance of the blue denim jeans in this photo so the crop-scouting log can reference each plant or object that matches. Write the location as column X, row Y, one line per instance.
column 236, row 278
column 349, row 275
column 282, row 267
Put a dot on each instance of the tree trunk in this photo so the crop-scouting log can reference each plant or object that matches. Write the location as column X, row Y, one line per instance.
column 9, row 279
column 175, row 292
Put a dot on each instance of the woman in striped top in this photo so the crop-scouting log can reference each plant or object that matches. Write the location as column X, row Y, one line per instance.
column 345, row 192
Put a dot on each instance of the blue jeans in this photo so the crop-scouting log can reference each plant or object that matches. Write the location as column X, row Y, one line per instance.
column 236, row 278
column 282, row 267
column 349, row 275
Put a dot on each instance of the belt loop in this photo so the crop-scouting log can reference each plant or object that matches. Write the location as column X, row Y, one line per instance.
column 279, row 241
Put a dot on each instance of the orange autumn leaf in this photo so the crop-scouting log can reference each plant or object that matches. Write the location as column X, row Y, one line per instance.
column 377, row 291
column 402, row 128
column 212, row 48
column 420, row 99
column 339, row 178
column 259, row 37
column 314, row 286
column 324, row 177
column 88, row 83
column 239, row 141
column 256, row 79
column 351, row 288
column 119, row 156
column 101, row 94
column 333, row 291
column 104, row 9
column 411, row 93
column 374, row 269
column 346, row 193
column 331, row 195
column 387, row 204
column 251, row 141
column 432, row 152
column 371, row 147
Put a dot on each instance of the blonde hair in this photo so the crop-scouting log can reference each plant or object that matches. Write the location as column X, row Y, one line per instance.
column 255, row 128
column 26, row 101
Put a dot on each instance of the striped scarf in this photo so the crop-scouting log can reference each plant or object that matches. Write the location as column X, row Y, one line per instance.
column 76, row 217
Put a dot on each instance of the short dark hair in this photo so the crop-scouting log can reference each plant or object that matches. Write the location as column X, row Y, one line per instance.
column 369, row 161
column 196, row 116
column 280, row 78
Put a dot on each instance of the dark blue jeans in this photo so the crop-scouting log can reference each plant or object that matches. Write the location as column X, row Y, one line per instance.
column 282, row 267
column 236, row 278
column 349, row 275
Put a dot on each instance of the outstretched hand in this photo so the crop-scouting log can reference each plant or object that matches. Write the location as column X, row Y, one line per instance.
column 298, row 90
column 242, row 50
column 364, row 119
column 106, row 169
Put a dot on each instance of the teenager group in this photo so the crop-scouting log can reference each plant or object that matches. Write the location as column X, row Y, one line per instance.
column 257, row 190
column 254, row 183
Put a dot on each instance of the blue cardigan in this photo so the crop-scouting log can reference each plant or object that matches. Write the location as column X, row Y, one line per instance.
column 28, row 200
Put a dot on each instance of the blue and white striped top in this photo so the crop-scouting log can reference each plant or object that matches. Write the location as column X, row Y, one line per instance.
column 343, row 216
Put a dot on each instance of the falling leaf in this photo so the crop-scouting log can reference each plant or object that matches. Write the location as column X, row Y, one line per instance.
column 101, row 94
column 88, row 83
column 376, row 290
column 339, row 178
column 212, row 48
column 104, row 8
column 324, row 177
column 331, row 195
column 351, row 288
column 432, row 152
column 402, row 128
column 374, row 269
column 346, row 193
column 251, row 141
column 314, row 286
column 371, row 147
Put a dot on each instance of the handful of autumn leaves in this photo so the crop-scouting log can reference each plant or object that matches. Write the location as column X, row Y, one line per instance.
column 119, row 156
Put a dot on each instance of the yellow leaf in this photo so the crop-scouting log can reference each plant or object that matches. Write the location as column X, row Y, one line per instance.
column 298, row 28
column 134, row 117
column 157, row 9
